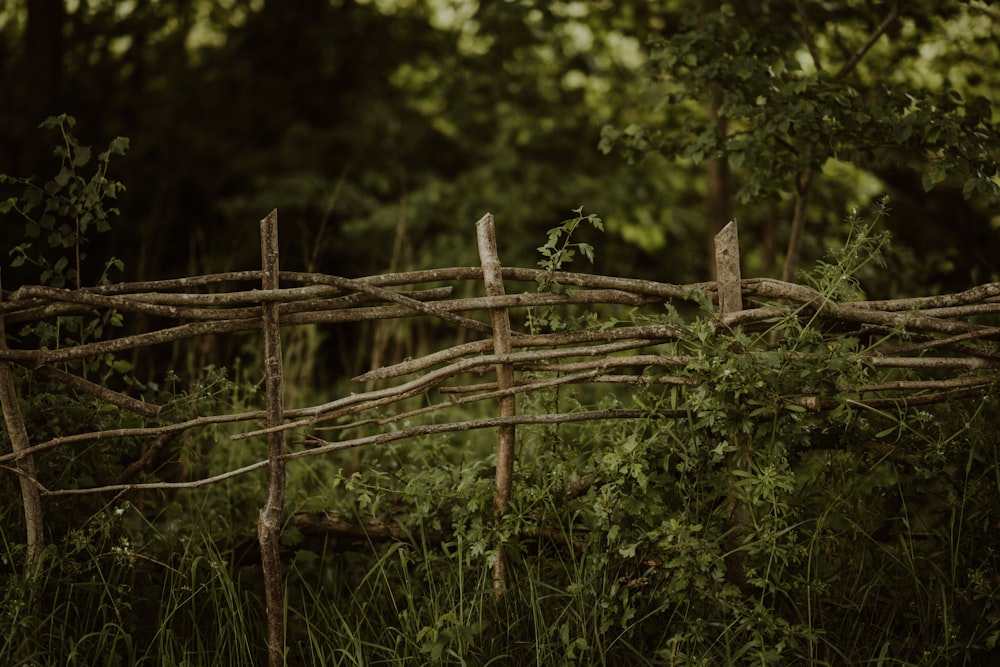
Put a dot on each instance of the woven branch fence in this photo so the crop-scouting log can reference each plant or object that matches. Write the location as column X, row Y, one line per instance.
column 936, row 338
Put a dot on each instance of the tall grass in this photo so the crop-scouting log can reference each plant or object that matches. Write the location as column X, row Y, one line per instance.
column 876, row 582
column 102, row 600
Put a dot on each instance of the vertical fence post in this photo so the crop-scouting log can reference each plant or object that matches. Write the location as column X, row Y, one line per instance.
column 727, row 268
column 727, row 265
column 486, row 237
column 269, row 524
column 17, row 432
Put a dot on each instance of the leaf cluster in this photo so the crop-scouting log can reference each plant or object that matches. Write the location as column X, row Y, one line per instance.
column 786, row 112
column 66, row 208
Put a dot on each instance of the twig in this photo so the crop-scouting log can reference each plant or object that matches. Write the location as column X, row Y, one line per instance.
column 869, row 42
column 329, row 410
column 642, row 334
column 807, row 36
column 101, row 392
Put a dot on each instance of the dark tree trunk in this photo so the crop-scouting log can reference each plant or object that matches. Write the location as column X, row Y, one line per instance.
column 718, row 211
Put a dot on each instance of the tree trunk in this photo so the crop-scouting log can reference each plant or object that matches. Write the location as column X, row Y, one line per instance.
column 719, row 208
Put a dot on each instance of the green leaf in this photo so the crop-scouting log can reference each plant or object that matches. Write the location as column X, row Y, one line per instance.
column 52, row 122
column 969, row 187
column 121, row 366
column 62, row 178
column 82, row 156
column 291, row 536
column 118, row 145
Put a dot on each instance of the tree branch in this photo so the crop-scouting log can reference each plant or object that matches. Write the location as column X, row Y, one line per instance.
column 879, row 30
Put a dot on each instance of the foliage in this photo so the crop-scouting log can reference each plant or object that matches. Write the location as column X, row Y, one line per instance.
column 744, row 528
column 402, row 122
column 862, row 535
column 781, row 102
column 801, row 101
column 102, row 596
column 558, row 250
column 66, row 208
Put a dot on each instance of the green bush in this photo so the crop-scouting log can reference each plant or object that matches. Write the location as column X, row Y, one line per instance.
column 731, row 524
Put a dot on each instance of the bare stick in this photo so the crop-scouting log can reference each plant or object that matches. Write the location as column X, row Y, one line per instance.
column 335, row 408
column 147, row 458
column 101, row 392
column 252, row 321
column 18, row 433
column 320, row 447
column 661, row 332
column 727, row 266
column 486, row 238
column 727, row 258
column 269, row 525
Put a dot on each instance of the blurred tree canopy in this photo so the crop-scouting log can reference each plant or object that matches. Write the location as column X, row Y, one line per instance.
column 382, row 129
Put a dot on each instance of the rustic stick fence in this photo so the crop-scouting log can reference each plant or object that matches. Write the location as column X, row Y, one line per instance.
column 932, row 335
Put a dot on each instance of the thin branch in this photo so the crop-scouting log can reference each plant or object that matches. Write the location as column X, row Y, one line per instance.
column 326, row 411
column 645, row 333
column 101, row 392
column 869, row 42
column 807, row 36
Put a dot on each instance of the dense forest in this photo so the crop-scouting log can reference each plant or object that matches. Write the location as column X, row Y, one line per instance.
column 405, row 121
column 382, row 130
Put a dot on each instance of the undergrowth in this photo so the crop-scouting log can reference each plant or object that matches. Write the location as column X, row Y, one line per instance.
column 730, row 525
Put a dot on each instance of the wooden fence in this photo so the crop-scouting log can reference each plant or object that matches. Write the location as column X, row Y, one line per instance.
column 936, row 338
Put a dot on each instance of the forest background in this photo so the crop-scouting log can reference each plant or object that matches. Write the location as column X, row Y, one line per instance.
column 404, row 121
column 382, row 129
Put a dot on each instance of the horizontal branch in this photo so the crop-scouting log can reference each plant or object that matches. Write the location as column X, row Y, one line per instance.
column 646, row 333
column 101, row 392
column 378, row 397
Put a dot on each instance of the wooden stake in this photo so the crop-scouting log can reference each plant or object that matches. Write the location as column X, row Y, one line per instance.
column 486, row 236
column 727, row 268
column 271, row 515
column 727, row 263
column 18, row 434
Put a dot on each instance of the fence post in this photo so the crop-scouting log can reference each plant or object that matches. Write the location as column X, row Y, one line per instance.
column 727, row 266
column 17, row 432
column 486, row 237
column 269, row 524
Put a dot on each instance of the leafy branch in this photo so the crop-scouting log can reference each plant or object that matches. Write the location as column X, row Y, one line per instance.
column 66, row 207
